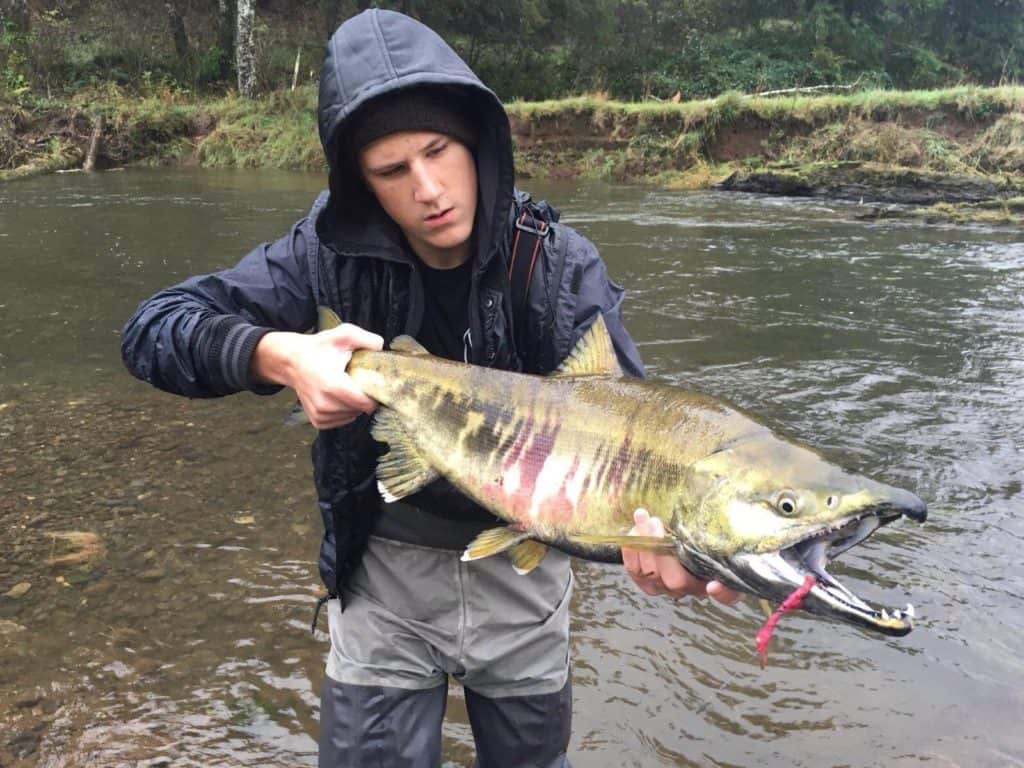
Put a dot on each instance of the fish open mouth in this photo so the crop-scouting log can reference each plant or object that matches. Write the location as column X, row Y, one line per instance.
column 812, row 555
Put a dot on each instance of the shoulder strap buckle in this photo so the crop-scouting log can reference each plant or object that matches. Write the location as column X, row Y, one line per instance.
column 537, row 226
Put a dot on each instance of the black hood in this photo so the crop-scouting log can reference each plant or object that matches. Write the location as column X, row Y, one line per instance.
column 379, row 52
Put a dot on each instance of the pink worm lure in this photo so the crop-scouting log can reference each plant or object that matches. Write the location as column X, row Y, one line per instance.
column 791, row 603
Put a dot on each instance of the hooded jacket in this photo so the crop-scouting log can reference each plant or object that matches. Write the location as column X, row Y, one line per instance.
column 197, row 338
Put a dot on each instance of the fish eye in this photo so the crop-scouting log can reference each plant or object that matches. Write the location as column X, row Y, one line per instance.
column 832, row 502
column 787, row 503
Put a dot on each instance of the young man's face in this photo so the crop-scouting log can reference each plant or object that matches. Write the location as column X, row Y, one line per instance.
column 426, row 182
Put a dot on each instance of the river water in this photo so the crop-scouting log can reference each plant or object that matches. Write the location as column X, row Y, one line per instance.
column 179, row 632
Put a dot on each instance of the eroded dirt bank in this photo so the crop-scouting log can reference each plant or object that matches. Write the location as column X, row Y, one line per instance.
column 954, row 154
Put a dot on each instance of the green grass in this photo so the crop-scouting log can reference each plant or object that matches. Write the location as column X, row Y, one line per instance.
column 1009, row 211
column 956, row 130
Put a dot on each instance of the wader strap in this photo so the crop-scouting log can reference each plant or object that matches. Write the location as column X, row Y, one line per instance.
column 316, row 613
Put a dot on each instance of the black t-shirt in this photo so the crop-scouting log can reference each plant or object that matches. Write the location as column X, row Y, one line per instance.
column 443, row 516
column 445, row 309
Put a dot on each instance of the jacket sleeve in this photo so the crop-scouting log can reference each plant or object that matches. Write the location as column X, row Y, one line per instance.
column 197, row 338
column 597, row 293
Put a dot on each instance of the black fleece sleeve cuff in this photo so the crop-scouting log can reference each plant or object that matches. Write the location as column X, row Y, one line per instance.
column 222, row 357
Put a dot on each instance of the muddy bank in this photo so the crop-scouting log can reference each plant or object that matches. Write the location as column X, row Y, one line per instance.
column 960, row 146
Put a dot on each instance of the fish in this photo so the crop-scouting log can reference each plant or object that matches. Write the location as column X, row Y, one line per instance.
column 565, row 459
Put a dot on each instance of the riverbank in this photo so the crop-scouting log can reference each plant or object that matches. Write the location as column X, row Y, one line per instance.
column 947, row 154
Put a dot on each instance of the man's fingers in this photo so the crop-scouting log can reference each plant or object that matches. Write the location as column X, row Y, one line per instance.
column 658, row 574
column 722, row 593
column 640, row 519
column 353, row 337
column 648, row 564
column 649, row 587
column 631, row 559
column 354, row 398
column 678, row 581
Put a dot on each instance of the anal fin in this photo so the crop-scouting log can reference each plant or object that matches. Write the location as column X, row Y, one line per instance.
column 491, row 542
column 526, row 555
column 402, row 470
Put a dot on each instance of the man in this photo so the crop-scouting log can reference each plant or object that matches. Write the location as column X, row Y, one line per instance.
column 415, row 235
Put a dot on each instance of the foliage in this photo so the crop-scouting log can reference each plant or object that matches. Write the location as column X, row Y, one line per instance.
column 540, row 49
column 13, row 63
column 961, row 130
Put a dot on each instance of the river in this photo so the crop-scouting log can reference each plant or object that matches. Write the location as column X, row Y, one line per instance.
column 184, row 638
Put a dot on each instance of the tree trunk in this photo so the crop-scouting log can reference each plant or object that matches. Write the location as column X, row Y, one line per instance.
column 95, row 145
column 295, row 74
column 19, row 14
column 226, row 35
column 245, row 49
column 177, row 30
column 16, row 11
column 331, row 14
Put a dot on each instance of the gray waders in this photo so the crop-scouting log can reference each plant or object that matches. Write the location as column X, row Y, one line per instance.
column 415, row 616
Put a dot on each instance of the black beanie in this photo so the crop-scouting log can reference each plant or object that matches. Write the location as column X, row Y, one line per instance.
column 411, row 109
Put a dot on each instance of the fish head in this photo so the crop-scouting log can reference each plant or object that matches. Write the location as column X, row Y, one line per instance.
column 764, row 513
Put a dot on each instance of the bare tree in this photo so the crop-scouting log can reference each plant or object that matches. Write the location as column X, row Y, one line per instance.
column 245, row 48
column 177, row 30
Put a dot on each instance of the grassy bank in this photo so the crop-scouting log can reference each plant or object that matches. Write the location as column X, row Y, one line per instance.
column 954, row 146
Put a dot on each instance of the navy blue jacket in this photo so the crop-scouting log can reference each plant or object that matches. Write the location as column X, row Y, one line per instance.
column 197, row 338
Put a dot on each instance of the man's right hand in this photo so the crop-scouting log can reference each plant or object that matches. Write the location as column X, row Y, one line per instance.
column 314, row 366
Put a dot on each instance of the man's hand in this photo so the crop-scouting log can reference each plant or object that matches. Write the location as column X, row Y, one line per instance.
column 314, row 366
column 663, row 574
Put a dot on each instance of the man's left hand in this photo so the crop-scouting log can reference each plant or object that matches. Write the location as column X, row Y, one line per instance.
column 657, row 574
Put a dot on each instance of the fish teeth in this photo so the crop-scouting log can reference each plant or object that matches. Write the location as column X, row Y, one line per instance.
column 885, row 615
column 910, row 611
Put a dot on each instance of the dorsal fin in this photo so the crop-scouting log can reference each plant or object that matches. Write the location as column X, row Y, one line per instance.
column 409, row 345
column 326, row 319
column 593, row 354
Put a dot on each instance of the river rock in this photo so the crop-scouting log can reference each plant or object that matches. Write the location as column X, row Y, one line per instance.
column 9, row 627
column 18, row 590
column 80, row 546
column 153, row 574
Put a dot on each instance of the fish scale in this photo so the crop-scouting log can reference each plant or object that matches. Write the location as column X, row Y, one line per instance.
column 497, row 452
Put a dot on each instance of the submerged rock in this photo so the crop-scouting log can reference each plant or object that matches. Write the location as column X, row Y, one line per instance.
column 18, row 590
column 871, row 183
column 82, row 546
column 9, row 627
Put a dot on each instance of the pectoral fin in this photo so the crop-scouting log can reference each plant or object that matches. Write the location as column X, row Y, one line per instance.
column 402, row 470
column 658, row 544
